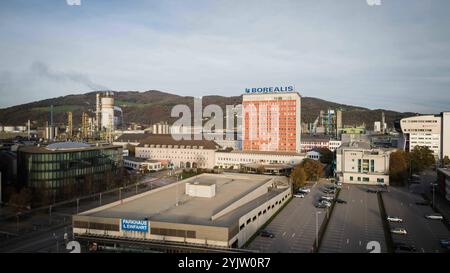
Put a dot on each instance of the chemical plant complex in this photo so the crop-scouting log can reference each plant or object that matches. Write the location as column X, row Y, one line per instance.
column 160, row 188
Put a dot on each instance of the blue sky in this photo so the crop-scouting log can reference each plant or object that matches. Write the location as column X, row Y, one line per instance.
column 393, row 56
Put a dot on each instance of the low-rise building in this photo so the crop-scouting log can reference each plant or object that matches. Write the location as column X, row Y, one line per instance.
column 311, row 142
column 63, row 169
column 359, row 163
column 314, row 155
column 142, row 164
column 208, row 210
column 180, row 153
column 235, row 159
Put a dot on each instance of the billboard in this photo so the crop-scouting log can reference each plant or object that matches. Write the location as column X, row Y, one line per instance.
column 134, row 225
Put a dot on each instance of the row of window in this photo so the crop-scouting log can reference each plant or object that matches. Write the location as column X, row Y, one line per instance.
column 252, row 219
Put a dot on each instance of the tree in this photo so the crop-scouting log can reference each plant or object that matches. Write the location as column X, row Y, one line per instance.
column 21, row 200
column 313, row 169
column 398, row 167
column 298, row 176
column 446, row 160
column 326, row 156
column 421, row 158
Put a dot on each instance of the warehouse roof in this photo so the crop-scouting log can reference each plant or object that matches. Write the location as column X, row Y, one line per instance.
column 161, row 204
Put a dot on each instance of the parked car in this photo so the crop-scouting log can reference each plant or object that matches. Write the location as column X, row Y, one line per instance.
column 423, row 203
column 326, row 203
column 400, row 231
column 321, row 206
column 327, row 198
column 305, row 189
column 445, row 243
column 265, row 233
column 340, row 201
column 405, row 247
column 394, row 219
column 299, row 195
column 302, row 192
column 434, row 217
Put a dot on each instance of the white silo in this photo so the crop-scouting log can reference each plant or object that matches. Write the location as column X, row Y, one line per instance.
column 107, row 106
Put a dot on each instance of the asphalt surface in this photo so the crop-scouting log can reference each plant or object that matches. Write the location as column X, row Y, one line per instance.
column 353, row 225
column 294, row 227
column 422, row 233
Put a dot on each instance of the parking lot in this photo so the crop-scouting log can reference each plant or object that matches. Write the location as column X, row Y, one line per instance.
column 294, row 227
column 424, row 234
column 354, row 224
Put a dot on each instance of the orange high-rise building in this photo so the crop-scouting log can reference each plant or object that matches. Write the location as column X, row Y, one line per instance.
column 271, row 122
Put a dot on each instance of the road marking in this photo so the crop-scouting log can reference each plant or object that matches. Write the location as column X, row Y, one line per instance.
column 284, row 233
column 348, row 241
column 359, row 242
column 293, row 235
column 423, row 250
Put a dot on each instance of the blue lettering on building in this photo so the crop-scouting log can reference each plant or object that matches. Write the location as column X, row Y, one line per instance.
column 270, row 89
column 134, row 225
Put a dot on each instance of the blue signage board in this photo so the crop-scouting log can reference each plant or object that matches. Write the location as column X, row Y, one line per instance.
column 134, row 225
column 270, row 89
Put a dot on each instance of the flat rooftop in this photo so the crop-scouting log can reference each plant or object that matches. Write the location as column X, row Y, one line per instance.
column 161, row 204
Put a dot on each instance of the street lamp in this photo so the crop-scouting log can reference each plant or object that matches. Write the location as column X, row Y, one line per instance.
column 56, row 239
column 317, row 228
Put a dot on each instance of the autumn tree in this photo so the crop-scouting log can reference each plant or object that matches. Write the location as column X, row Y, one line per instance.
column 313, row 169
column 398, row 167
column 446, row 160
column 308, row 170
column 298, row 176
column 421, row 158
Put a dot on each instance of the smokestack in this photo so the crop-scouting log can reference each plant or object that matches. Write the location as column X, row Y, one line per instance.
column 28, row 125
column 51, row 123
column 97, row 113
column 382, row 123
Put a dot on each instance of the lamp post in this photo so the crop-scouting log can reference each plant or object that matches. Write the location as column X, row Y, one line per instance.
column 317, row 228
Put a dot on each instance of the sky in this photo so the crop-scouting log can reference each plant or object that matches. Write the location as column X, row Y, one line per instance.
column 390, row 56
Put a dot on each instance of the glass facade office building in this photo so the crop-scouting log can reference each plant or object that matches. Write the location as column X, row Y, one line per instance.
column 57, row 168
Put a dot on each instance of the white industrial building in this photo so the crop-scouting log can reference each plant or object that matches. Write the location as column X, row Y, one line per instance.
column 182, row 153
column 358, row 163
column 432, row 131
column 208, row 210
column 235, row 159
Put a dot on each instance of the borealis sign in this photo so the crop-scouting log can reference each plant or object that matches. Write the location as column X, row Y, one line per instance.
column 273, row 89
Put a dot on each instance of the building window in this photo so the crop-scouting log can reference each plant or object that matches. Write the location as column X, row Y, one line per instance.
column 351, row 178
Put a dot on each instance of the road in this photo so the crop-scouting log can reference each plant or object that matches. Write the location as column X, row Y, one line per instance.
column 294, row 227
column 424, row 234
column 354, row 224
column 42, row 239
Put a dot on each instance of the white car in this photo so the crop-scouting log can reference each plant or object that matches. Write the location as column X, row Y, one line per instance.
column 401, row 231
column 394, row 219
column 299, row 195
column 326, row 197
column 304, row 190
column 434, row 217
column 325, row 203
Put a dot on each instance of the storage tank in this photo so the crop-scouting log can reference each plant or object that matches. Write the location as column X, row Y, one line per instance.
column 107, row 105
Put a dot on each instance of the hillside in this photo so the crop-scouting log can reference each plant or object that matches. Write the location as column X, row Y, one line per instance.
column 153, row 106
